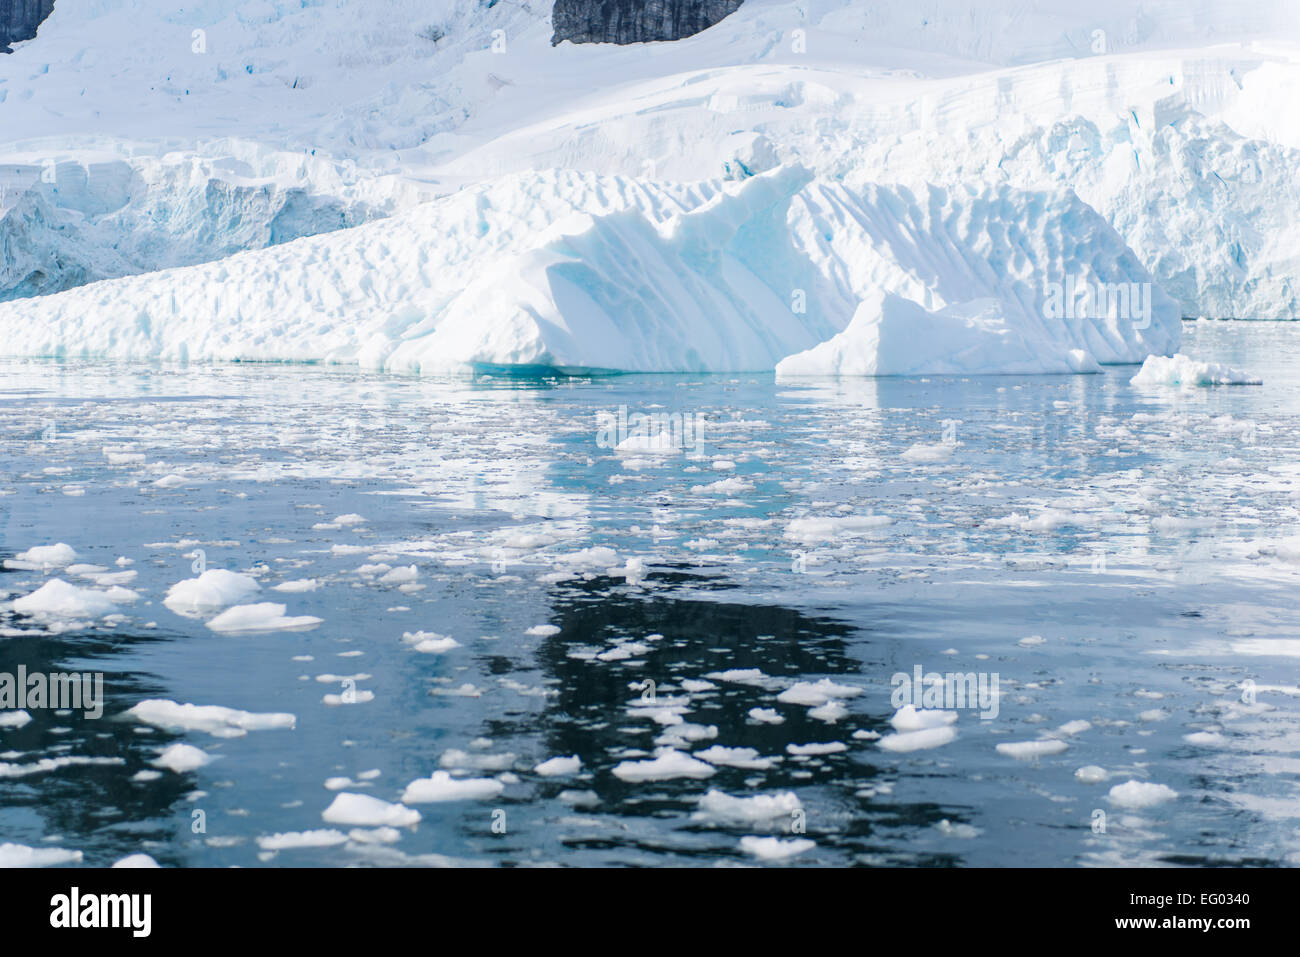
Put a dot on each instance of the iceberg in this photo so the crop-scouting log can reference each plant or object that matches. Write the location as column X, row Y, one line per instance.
column 620, row 278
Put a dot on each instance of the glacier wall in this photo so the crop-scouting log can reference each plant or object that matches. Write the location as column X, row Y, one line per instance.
column 574, row 272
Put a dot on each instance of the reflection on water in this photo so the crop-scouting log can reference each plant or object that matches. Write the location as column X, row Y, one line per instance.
column 1122, row 560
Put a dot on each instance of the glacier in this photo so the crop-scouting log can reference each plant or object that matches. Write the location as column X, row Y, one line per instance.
column 272, row 181
column 729, row 278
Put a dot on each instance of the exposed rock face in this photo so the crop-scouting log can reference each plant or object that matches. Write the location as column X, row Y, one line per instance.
column 635, row 21
column 20, row 18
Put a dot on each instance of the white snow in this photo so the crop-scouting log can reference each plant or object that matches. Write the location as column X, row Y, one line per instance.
column 127, row 151
column 140, row 860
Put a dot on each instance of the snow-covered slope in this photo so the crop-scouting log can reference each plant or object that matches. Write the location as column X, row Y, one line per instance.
column 139, row 136
column 578, row 272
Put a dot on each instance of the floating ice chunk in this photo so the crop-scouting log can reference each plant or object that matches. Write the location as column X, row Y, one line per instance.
column 171, row 480
column 352, row 518
column 556, row 767
column 400, row 575
column 811, row 531
column 182, row 757
column 1140, row 794
column 817, row 747
column 362, row 810
column 1091, row 774
column 1179, row 370
column 597, row 557
column 263, row 616
column 429, row 643
column 727, row 486
column 1207, row 739
column 14, row 719
column 43, row 556
column 892, row 336
column 441, row 786
column 378, row 835
column 457, row 759
column 766, row 716
column 774, row 848
column 215, row 588
column 696, row 686
column 830, row 712
column 736, row 758
column 720, row 807
column 298, row 586
column 909, row 718
column 356, row 696
column 921, row 740
column 1033, row 641
column 810, row 693
column 325, row 837
column 964, row 831
column 664, row 442
column 19, row 855
column 666, row 766
column 543, row 631
column 214, row 719
column 136, row 860
column 923, row 453
column 57, row 599
column 1071, row 728
column 1032, row 749
column 45, row 765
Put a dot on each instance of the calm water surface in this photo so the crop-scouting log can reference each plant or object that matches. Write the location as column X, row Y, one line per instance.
column 1142, row 540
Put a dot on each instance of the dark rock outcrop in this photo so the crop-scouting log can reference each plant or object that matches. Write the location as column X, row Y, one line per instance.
column 20, row 18
column 635, row 21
